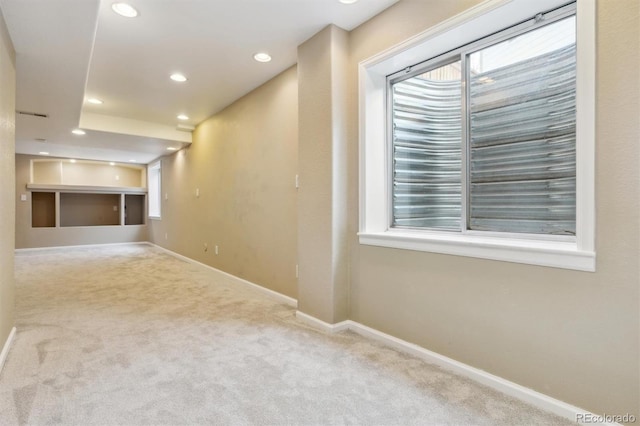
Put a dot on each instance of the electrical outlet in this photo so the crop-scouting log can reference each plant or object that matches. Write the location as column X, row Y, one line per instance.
column 115, row 208
column 216, row 250
column 166, row 236
column 197, row 192
column 206, row 247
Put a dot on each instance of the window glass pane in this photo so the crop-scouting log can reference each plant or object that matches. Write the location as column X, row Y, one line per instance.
column 522, row 133
column 427, row 149
column 154, row 190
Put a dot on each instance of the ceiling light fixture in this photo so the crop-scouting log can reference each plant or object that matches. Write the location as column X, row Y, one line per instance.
column 347, row 1
column 72, row 160
column 172, row 149
column 178, row 77
column 78, row 132
column 124, row 9
column 95, row 101
column 262, row 57
column 132, row 161
column 111, row 163
column 43, row 153
column 183, row 117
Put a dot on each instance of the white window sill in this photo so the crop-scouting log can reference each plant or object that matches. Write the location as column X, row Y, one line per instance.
column 155, row 217
column 555, row 254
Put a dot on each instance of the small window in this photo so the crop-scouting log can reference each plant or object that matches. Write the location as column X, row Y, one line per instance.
column 477, row 137
column 154, row 173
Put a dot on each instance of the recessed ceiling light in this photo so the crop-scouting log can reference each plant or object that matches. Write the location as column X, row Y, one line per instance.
column 183, row 117
column 72, row 160
column 124, row 9
column 178, row 77
column 347, row 1
column 132, row 161
column 95, row 101
column 262, row 57
column 78, row 132
column 111, row 163
column 43, row 153
column 172, row 149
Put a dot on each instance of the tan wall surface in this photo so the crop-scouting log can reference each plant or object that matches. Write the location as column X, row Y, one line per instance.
column 244, row 161
column 62, row 171
column 571, row 335
column 89, row 209
column 7, row 177
column 47, row 172
column 80, row 173
column 322, row 205
column 29, row 237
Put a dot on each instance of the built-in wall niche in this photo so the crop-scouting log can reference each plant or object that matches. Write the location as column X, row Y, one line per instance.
column 66, row 193
column 43, row 208
column 50, row 171
column 77, row 209
column 134, row 209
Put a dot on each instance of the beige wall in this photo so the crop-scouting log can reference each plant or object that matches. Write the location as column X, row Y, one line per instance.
column 571, row 335
column 64, row 172
column 7, row 177
column 243, row 160
column 322, row 201
column 29, row 237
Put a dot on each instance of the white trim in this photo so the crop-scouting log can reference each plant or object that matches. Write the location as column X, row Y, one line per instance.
column 474, row 24
column 529, row 396
column 35, row 249
column 5, row 349
column 154, row 198
column 324, row 326
column 271, row 293
column 586, row 134
column 553, row 254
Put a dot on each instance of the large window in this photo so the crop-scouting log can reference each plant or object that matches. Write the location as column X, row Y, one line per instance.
column 487, row 140
column 488, row 144
column 154, row 176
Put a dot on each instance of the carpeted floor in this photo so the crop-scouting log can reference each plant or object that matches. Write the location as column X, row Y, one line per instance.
column 128, row 335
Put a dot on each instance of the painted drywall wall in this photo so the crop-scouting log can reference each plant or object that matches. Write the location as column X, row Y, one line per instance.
column 571, row 335
column 27, row 236
column 322, row 154
column 7, row 177
column 243, row 162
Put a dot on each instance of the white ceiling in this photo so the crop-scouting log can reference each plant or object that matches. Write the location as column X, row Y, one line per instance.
column 70, row 50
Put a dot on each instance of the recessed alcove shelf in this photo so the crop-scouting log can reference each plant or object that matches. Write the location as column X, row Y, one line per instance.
column 67, row 193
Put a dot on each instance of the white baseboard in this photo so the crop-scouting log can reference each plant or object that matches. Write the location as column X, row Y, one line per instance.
column 531, row 397
column 6, row 347
column 36, row 249
column 325, row 326
column 273, row 294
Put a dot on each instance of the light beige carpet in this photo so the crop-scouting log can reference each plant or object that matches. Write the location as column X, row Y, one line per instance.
column 127, row 335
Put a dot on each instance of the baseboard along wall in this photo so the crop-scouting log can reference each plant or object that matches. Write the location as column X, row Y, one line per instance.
column 5, row 348
column 534, row 398
column 272, row 294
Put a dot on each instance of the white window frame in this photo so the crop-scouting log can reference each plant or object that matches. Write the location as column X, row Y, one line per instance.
column 154, row 171
column 375, row 174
